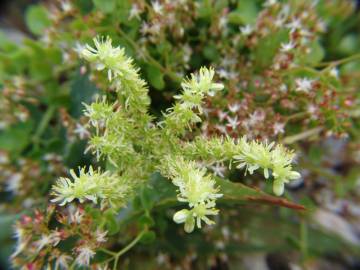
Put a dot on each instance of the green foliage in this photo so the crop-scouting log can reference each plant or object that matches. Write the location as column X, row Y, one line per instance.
column 37, row 19
column 165, row 151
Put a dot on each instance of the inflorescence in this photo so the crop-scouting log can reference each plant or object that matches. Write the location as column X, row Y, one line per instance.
column 125, row 134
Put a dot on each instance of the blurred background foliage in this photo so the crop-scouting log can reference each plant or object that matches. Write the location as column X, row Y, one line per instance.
column 43, row 86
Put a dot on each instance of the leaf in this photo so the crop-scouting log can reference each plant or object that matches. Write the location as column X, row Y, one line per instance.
column 155, row 77
column 315, row 55
column 82, row 91
column 105, row 6
column 122, row 11
column 146, row 198
column 36, row 18
column 245, row 13
column 349, row 44
column 85, row 6
column 211, row 53
column 16, row 138
column 268, row 47
column 6, row 238
column 148, row 237
column 159, row 190
column 71, row 157
column 204, row 9
column 111, row 223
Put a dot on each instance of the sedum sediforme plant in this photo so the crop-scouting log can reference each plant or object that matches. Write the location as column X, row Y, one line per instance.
column 135, row 145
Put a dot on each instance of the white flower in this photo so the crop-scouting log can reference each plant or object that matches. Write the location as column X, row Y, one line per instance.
column 303, row 85
column 48, row 239
column 246, row 30
column 22, row 116
column 66, row 6
column 218, row 169
column 155, row 28
column 202, row 210
column 43, row 241
column 256, row 117
column 286, row 47
column 223, row 73
column 321, row 26
column 279, row 22
column 20, row 246
column 85, row 254
column 79, row 48
column 313, row 111
column 227, row 61
column 193, row 217
column 161, row 258
column 100, row 236
column 81, row 131
column 234, row 107
column 158, row 8
column 63, row 261
column 283, row 88
column 21, row 241
column 278, row 128
column 13, row 183
column 134, row 12
column 294, row 25
column 223, row 21
column 233, row 122
column 3, row 158
column 270, row 3
column 3, row 125
column 187, row 51
column 221, row 128
column 145, row 28
column 76, row 217
column 311, row 108
column 55, row 238
column 334, row 72
column 103, row 267
column 222, row 115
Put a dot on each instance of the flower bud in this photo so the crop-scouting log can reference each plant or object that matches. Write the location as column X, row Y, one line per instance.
column 217, row 86
column 278, row 187
column 181, row 216
column 189, row 225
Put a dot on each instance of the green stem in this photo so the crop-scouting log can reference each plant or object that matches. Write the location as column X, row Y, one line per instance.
column 338, row 62
column 72, row 265
column 152, row 60
column 303, row 239
column 43, row 124
column 296, row 116
column 303, row 135
column 116, row 255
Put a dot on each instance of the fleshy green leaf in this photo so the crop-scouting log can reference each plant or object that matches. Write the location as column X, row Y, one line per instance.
column 36, row 18
column 245, row 13
column 155, row 77
column 106, row 6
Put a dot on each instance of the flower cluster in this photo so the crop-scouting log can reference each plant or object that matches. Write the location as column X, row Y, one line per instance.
column 36, row 238
column 120, row 70
column 252, row 155
column 131, row 141
column 109, row 189
column 195, row 89
column 196, row 188
column 255, row 155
